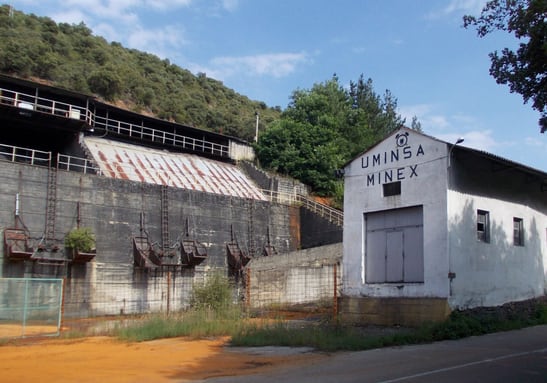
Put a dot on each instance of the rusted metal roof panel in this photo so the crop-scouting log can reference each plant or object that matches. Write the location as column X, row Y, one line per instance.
column 181, row 170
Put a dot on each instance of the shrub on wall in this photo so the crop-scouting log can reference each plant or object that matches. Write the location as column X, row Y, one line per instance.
column 81, row 239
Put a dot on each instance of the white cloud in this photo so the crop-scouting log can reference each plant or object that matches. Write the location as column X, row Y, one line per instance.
column 118, row 20
column 451, row 127
column 465, row 6
column 73, row 16
column 119, row 10
column 536, row 142
column 481, row 140
column 107, row 31
column 426, row 117
column 274, row 64
column 167, row 4
column 476, row 134
column 458, row 7
column 230, row 5
column 160, row 41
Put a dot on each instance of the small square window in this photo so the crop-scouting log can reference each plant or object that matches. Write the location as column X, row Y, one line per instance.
column 392, row 188
column 518, row 232
column 483, row 226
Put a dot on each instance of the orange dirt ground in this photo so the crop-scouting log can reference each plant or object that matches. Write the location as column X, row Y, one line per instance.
column 108, row 360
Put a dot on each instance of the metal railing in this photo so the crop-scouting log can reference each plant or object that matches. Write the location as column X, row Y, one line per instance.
column 159, row 136
column 76, row 164
column 333, row 215
column 40, row 158
column 28, row 103
column 24, row 155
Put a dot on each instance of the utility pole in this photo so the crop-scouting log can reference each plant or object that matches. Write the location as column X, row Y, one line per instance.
column 256, row 129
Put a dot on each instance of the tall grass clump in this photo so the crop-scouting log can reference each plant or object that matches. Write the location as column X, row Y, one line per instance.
column 212, row 312
column 215, row 294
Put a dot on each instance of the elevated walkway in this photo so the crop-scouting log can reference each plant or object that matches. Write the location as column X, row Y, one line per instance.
column 96, row 119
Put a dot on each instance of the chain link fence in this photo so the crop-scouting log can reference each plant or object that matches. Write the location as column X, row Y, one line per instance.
column 30, row 307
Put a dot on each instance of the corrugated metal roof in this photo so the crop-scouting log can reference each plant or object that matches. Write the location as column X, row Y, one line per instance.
column 181, row 170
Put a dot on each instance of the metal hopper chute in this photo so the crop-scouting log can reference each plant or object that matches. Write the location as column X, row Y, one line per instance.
column 237, row 258
column 144, row 254
column 192, row 252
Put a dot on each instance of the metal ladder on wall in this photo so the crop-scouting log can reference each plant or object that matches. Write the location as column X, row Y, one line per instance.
column 164, row 219
column 50, row 251
column 251, row 230
column 51, row 205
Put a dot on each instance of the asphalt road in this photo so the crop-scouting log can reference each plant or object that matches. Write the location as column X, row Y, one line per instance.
column 514, row 356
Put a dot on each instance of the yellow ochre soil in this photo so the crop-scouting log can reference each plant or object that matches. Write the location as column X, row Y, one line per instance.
column 108, row 360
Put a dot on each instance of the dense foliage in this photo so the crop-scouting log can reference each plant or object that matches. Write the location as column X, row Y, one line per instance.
column 524, row 70
column 324, row 127
column 70, row 56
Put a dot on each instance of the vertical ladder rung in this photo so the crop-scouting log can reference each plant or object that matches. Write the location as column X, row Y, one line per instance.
column 164, row 218
column 51, row 203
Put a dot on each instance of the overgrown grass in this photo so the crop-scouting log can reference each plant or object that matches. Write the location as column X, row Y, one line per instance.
column 339, row 337
column 193, row 323
column 213, row 313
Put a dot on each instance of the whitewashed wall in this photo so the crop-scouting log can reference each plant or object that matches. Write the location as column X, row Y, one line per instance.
column 422, row 170
column 490, row 274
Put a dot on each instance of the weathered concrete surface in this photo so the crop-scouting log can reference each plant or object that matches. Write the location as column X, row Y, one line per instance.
column 393, row 311
column 296, row 277
column 110, row 284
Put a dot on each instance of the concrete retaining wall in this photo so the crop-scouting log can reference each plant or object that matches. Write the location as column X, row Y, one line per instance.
column 297, row 277
column 110, row 284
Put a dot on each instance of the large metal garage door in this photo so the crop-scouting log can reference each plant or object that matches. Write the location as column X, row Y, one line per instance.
column 394, row 246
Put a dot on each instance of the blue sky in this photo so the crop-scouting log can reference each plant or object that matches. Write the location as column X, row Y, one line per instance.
column 266, row 49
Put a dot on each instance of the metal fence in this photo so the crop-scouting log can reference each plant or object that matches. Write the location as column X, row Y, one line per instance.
column 30, row 307
column 334, row 216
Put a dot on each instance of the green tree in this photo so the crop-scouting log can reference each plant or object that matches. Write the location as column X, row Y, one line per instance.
column 372, row 117
column 324, row 127
column 524, row 70
column 304, row 151
column 106, row 82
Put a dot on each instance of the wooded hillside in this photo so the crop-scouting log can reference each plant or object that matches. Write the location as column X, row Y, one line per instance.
column 71, row 57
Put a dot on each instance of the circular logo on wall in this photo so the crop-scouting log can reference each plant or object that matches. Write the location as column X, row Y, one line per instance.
column 402, row 139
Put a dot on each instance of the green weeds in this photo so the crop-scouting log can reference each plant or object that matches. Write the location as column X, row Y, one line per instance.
column 339, row 337
column 213, row 313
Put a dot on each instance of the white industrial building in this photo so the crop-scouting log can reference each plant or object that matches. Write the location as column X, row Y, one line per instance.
column 432, row 226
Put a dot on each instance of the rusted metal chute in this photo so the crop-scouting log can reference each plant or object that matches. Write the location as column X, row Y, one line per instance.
column 192, row 252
